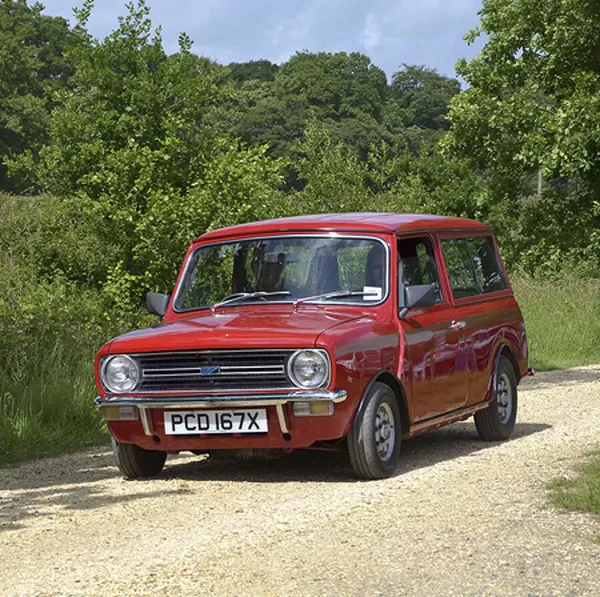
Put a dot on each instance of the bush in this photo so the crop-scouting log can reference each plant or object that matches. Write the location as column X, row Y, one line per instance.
column 49, row 334
column 50, row 329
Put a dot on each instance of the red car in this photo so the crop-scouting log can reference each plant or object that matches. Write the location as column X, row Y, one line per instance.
column 350, row 331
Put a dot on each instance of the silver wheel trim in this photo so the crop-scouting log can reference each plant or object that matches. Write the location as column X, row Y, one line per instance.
column 504, row 398
column 385, row 431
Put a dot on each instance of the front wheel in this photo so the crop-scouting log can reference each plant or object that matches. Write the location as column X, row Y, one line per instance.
column 374, row 439
column 135, row 462
column 497, row 421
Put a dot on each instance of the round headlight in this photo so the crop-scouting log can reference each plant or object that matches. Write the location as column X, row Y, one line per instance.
column 120, row 374
column 308, row 368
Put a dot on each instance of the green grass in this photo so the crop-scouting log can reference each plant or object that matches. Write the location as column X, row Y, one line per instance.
column 48, row 414
column 562, row 319
column 582, row 491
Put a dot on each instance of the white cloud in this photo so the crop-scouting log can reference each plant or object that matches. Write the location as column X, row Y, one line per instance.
column 391, row 32
column 371, row 33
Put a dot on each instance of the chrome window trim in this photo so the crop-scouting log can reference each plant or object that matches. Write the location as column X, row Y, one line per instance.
column 332, row 235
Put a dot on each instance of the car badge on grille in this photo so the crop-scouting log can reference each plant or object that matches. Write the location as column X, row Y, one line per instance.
column 210, row 371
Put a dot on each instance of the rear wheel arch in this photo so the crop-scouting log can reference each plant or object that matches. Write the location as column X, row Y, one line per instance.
column 496, row 422
column 506, row 350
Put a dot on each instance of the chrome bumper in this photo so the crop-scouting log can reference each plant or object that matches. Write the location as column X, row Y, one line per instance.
column 277, row 399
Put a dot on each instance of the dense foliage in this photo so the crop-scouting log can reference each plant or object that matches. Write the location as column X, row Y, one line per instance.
column 533, row 105
column 33, row 67
column 128, row 153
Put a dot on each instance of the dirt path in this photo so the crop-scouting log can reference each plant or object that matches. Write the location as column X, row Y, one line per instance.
column 463, row 518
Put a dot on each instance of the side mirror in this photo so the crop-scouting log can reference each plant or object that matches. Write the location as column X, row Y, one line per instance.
column 421, row 295
column 418, row 295
column 157, row 303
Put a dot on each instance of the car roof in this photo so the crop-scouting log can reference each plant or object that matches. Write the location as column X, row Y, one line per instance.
column 347, row 222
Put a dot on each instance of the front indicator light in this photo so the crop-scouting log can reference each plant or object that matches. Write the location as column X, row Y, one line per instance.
column 120, row 413
column 319, row 408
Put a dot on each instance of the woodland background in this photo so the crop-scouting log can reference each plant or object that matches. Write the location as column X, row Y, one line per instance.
column 115, row 155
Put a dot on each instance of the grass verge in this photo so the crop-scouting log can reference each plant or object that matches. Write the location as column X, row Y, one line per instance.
column 581, row 491
column 562, row 318
column 48, row 414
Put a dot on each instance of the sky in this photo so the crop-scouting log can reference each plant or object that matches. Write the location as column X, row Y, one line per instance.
column 390, row 32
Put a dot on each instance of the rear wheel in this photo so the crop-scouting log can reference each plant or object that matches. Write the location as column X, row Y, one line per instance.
column 374, row 439
column 497, row 421
column 135, row 462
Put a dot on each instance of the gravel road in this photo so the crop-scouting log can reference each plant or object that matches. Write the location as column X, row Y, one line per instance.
column 462, row 518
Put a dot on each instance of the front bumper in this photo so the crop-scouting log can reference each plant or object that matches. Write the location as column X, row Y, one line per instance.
column 277, row 399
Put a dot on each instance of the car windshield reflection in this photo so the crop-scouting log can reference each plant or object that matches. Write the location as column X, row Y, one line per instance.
column 285, row 269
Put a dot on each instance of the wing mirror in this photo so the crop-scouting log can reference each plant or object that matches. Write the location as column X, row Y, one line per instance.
column 418, row 295
column 157, row 303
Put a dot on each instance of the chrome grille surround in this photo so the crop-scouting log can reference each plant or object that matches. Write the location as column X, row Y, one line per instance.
column 215, row 371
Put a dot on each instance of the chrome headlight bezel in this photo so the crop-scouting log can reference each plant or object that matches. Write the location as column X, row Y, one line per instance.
column 314, row 352
column 109, row 385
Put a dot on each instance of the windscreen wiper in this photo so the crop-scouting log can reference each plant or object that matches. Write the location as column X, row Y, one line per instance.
column 332, row 295
column 242, row 296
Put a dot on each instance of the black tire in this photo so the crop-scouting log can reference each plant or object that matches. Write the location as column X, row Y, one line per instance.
column 135, row 462
column 497, row 421
column 372, row 455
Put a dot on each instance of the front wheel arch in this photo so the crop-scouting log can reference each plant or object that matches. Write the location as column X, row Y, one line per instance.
column 374, row 439
column 389, row 379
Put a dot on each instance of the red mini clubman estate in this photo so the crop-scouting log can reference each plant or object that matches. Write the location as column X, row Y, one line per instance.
column 349, row 330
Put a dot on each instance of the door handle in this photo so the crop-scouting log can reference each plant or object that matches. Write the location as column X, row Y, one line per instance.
column 457, row 325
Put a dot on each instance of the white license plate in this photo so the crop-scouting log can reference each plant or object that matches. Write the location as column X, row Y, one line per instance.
column 215, row 421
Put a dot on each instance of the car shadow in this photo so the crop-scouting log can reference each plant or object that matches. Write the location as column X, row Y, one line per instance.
column 561, row 377
column 307, row 466
column 54, row 487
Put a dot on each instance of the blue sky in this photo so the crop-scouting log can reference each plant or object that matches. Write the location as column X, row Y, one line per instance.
column 391, row 32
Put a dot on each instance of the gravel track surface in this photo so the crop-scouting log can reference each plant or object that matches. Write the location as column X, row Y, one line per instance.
column 463, row 517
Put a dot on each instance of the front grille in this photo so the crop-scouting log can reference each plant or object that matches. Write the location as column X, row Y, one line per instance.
column 214, row 370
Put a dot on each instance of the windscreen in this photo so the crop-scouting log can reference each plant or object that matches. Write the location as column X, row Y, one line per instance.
column 285, row 269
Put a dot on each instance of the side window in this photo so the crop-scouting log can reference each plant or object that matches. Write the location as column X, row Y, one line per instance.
column 458, row 265
column 472, row 266
column 417, row 264
column 488, row 272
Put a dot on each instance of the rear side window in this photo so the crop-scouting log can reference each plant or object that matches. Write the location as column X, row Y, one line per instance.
column 473, row 266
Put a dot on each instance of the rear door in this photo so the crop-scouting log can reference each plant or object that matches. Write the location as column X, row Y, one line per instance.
column 483, row 302
column 434, row 363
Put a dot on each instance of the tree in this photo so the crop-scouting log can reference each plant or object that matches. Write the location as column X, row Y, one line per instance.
column 534, row 103
column 423, row 95
column 132, row 147
column 344, row 92
column 33, row 68
column 254, row 70
column 334, row 85
column 331, row 175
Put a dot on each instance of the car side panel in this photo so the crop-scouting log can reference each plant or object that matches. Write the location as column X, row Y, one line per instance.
column 490, row 321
